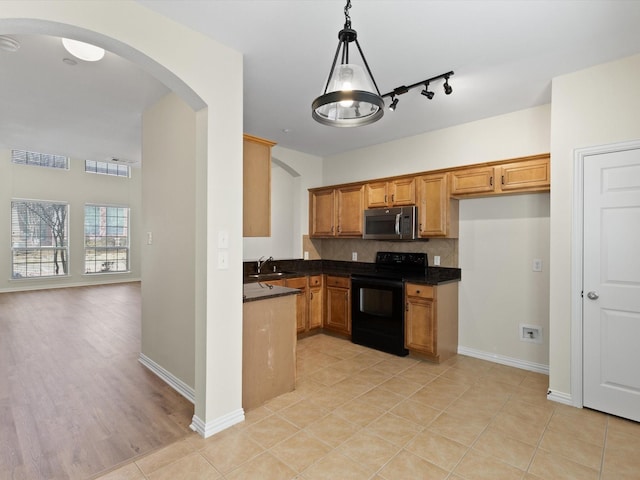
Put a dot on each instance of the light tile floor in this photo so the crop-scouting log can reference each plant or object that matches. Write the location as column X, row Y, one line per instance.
column 362, row 414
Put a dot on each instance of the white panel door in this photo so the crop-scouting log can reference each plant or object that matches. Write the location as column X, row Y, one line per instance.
column 611, row 296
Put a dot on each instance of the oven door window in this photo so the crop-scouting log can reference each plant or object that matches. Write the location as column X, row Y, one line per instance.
column 376, row 302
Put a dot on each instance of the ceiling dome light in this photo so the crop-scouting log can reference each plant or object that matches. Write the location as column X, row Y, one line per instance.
column 83, row 51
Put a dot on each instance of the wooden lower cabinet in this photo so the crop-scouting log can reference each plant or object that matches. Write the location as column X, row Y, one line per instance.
column 431, row 320
column 338, row 306
column 316, row 301
column 308, row 302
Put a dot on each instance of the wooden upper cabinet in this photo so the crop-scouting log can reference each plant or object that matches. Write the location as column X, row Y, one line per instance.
column 391, row 193
column 336, row 212
column 322, row 212
column 256, row 191
column 437, row 212
column 529, row 174
column 350, row 211
column 479, row 180
column 525, row 175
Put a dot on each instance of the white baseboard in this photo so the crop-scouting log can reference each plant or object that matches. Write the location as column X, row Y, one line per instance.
column 561, row 397
column 503, row 360
column 174, row 382
column 217, row 425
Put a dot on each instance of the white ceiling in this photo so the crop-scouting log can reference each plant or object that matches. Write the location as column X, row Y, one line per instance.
column 504, row 54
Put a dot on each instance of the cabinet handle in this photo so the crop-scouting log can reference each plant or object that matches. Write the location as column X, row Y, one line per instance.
column 418, row 292
column 502, row 179
column 331, row 228
column 393, row 197
column 491, row 181
column 311, row 296
column 385, row 198
column 407, row 306
column 339, row 229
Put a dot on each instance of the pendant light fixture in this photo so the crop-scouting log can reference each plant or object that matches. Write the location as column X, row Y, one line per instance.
column 351, row 97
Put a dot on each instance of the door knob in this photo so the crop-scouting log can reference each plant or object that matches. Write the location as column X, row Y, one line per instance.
column 593, row 295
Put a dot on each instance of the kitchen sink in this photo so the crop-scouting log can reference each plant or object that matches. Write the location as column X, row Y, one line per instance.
column 268, row 275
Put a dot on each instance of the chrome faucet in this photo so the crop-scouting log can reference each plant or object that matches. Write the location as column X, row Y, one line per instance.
column 260, row 263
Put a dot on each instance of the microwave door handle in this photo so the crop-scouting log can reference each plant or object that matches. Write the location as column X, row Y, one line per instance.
column 398, row 216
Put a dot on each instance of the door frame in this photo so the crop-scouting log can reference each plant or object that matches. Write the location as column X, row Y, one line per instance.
column 577, row 369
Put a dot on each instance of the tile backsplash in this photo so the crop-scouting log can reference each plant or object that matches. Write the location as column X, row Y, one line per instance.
column 342, row 249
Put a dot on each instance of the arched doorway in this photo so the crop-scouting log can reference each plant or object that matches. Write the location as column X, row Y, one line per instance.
column 197, row 69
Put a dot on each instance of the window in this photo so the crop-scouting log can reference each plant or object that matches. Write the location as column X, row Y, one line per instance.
column 106, row 168
column 39, row 245
column 23, row 157
column 106, row 239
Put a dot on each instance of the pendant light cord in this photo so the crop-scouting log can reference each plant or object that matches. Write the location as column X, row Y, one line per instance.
column 347, row 17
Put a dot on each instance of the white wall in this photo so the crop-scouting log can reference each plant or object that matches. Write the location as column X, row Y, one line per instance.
column 289, row 205
column 77, row 188
column 517, row 134
column 168, row 289
column 499, row 238
column 486, row 326
column 596, row 106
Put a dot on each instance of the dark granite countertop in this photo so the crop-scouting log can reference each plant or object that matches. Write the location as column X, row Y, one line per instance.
column 261, row 291
column 297, row 268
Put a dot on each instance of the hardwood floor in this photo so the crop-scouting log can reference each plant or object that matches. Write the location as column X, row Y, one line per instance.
column 74, row 400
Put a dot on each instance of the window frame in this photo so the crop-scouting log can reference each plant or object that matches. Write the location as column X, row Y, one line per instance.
column 65, row 249
column 28, row 153
column 106, row 268
column 102, row 168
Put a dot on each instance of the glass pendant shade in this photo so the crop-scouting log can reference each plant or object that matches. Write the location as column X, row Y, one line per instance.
column 349, row 99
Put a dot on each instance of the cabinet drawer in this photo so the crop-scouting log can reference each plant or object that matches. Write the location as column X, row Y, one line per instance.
column 341, row 282
column 298, row 282
column 422, row 291
column 315, row 280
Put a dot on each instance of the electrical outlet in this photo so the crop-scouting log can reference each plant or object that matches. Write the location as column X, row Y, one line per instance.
column 354, row 256
column 149, row 238
column 537, row 265
column 306, row 255
column 530, row 333
column 436, row 260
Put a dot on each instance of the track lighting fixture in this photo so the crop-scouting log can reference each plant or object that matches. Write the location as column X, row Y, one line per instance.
column 447, row 87
column 426, row 92
column 351, row 97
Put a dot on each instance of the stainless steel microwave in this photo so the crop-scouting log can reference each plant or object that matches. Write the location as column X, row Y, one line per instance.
column 396, row 223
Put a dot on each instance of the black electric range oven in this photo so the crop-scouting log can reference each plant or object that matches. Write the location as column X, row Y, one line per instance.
column 377, row 305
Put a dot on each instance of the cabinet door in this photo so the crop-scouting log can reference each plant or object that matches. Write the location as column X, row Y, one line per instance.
column 524, row 176
column 321, row 213
column 316, row 305
column 301, row 301
column 256, row 187
column 350, row 202
column 420, row 328
column 472, row 181
column 437, row 213
column 338, row 310
column 403, row 191
column 376, row 194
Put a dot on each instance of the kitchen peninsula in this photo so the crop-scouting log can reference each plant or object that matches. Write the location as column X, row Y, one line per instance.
column 268, row 343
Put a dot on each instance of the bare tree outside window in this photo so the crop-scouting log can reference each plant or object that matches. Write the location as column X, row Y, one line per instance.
column 39, row 239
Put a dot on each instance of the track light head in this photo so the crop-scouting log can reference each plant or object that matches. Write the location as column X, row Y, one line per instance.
column 447, row 87
column 426, row 92
column 394, row 104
